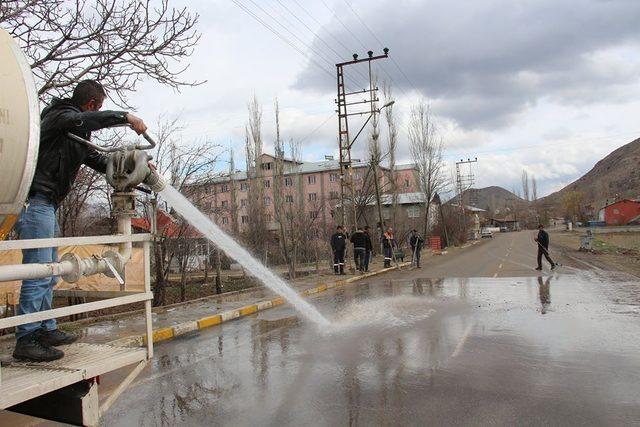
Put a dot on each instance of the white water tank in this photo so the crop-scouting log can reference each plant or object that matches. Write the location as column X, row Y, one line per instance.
column 19, row 131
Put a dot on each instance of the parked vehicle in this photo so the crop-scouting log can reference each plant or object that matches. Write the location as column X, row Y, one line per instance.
column 486, row 233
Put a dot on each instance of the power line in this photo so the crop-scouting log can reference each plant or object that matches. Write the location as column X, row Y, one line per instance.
column 316, row 35
column 281, row 37
column 317, row 128
column 345, row 27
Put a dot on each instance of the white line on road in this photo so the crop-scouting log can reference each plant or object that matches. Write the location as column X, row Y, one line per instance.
column 463, row 339
column 495, row 274
column 500, row 266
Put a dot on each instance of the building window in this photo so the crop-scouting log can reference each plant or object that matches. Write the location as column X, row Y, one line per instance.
column 288, row 182
column 267, row 183
column 207, row 205
column 413, row 211
column 311, row 179
column 288, row 198
column 357, row 176
column 406, row 183
column 245, row 219
column 225, row 220
column 313, row 214
column 313, row 197
column 224, row 204
column 616, row 211
column 224, row 188
column 333, row 195
column 267, row 201
column 244, row 186
column 386, row 213
column 243, row 203
column 266, row 166
column 333, row 177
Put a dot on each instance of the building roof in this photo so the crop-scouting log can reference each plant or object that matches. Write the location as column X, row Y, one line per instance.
column 621, row 201
column 308, row 167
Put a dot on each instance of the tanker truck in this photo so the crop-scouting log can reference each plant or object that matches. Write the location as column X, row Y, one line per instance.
column 67, row 389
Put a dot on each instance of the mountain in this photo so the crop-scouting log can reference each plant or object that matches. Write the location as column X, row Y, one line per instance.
column 494, row 199
column 615, row 176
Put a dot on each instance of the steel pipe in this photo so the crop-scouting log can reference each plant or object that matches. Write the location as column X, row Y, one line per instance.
column 34, row 271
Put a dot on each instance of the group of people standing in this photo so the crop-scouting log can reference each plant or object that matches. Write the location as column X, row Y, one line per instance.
column 363, row 248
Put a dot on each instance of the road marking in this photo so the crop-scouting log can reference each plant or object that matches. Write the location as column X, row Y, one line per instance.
column 500, row 266
column 495, row 274
column 462, row 340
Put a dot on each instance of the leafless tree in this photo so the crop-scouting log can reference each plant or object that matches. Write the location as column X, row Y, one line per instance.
column 284, row 232
column 191, row 167
column 256, row 234
column 234, row 193
column 525, row 185
column 118, row 42
column 534, row 188
column 392, row 130
column 426, row 152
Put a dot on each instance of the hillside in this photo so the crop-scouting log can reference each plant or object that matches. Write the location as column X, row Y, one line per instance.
column 492, row 198
column 616, row 174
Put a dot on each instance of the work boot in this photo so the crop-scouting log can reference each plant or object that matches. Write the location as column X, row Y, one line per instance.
column 335, row 270
column 56, row 337
column 30, row 348
column 539, row 268
column 553, row 266
column 342, row 273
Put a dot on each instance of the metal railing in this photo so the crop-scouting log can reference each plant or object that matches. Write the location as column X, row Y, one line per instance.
column 113, row 298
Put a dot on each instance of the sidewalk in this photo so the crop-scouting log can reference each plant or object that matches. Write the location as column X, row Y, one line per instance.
column 177, row 319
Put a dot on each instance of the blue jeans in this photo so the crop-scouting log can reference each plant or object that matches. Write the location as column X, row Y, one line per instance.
column 37, row 221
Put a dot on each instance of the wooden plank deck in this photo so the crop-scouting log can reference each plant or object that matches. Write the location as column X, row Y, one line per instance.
column 22, row 381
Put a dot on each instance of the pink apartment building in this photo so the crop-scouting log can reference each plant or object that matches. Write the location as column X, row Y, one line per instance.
column 319, row 183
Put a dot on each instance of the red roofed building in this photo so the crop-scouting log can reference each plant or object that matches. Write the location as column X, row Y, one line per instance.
column 622, row 212
column 167, row 226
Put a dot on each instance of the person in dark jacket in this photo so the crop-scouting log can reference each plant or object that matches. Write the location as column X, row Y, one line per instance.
column 542, row 239
column 359, row 240
column 388, row 245
column 416, row 241
column 59, row 160
column 338, row 246
column 368, row 246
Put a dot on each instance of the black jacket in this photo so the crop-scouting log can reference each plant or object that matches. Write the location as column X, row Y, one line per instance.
column 543, row 239
column 368, row 245
column 338, row 242
column 416, row 240
column 359, row 240
column 59, row 157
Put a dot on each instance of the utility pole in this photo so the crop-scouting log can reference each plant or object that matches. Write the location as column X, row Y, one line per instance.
column 463, row 183
column 344, row 141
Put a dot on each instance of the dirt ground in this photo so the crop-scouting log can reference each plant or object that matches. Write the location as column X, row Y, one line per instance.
column 612, row 251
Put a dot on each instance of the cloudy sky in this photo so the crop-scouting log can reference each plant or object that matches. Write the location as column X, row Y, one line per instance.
column 550, row 86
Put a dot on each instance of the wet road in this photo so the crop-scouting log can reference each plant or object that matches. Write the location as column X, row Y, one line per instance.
column 560, row 349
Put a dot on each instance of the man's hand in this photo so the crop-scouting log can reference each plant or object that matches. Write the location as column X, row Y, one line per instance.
column 136, row 123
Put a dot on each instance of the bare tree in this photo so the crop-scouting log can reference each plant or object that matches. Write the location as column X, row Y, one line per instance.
column 118, row 42
column 426, row 151
column 392, row 130
column 279, row 199
column 234, row 192
column 192, row 167
column 525, row 185
column 534, row 188
column 257, row 230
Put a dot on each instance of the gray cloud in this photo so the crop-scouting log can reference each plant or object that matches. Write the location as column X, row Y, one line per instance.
column 483, row 63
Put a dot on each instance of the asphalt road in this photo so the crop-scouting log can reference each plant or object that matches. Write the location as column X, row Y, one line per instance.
column 492, row 343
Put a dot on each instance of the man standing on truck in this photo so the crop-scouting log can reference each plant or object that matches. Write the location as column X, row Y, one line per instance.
column 542, row 239
column 59, row 160
column 338, row 246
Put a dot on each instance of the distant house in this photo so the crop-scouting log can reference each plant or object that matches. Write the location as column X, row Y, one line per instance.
column 622, row 212
column 509, row 222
